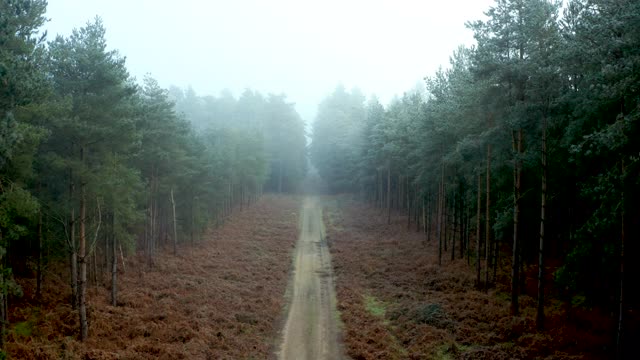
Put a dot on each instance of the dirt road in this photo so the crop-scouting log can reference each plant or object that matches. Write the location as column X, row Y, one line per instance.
column 311, row 330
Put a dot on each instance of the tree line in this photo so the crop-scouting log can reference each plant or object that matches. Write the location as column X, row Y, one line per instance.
column 95, row 165
column 522, row 153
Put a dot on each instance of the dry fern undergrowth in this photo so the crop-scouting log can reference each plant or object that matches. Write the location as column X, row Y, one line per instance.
column 219, row 299
column 396, row 303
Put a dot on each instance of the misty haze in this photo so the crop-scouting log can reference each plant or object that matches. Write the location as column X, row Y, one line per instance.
column 319, row 180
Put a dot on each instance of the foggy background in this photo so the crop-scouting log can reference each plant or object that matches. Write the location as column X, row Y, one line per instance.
column 301, row 48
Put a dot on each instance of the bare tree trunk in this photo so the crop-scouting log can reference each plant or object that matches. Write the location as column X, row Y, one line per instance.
column 114, row 262
column 440, row 216
column 429, row 222
column 39, row 264
column 95, row 270
column 74, row 265
column 517, row 180
column 620, row 329
column 379, row 202
column 399, row 195
column 388, row 194
column 155, row 223
column 543, row 206
column 488, row 218
column 445, row 216
column 468, row 234
column 455, row 228
column 478, row 231
column 107, row 249
column 82, row 254
column 73, row 254
column 463, row 222
column 231, row 198
column 416, row 208
column 496, row 258
column 151, row 235
column 124, row 268
column 280, row 178
column 175, row 228
column 408, row 197
column 3, row 298
column 424, row 218
column 193, row 220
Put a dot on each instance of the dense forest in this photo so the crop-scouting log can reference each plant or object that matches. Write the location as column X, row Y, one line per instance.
column 522, row 154
column 95, row 164
column 518, row 158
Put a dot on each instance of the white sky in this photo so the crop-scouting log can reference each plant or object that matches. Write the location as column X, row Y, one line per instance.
column 301, row 48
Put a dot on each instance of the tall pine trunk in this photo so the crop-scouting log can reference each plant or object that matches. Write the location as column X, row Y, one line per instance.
column 468, row 234
column 399, row 195
column 620, row 329
column 175, row 227
column 478, row 231
column 380, row 189
column 417, row 217
column 3, row 297
column 445, row 216
column 517, row 181
column 39, row 264
column 82, row 258
column 463, row 222
column 114, row 262
column 388, row 194
column 73, row 254
column 280, row 178
column 440, row 215
column 193, row 219
column 151, row 234
column 487, row 229
column 453, row 230
column 408, row 199
column 429, row 223
column 496, row 258
column 543, row 206
column 424, row 218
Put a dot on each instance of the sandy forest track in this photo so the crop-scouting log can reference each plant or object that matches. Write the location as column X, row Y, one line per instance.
column 311, row 330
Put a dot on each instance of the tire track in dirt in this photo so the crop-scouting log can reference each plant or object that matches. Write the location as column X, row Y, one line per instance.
column 311, row 331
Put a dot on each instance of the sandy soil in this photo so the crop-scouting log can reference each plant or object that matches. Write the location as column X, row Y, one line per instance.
column 311, row 330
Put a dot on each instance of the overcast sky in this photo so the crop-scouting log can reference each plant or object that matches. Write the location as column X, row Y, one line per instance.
column 300, row 48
